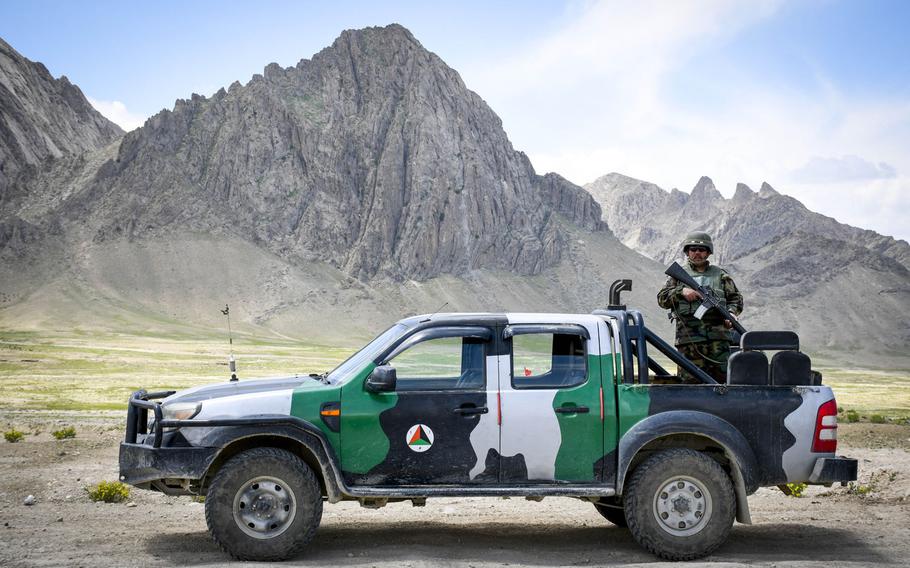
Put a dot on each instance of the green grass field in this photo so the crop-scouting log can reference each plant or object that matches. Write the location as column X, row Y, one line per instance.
column 78, row 371
column 886, row 393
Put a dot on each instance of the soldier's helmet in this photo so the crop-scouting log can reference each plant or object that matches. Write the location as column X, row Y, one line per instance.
column 700, row 239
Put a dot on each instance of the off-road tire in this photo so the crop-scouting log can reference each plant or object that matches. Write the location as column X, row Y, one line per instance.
column 615, row 513
column 286, row 473
column 704, row 485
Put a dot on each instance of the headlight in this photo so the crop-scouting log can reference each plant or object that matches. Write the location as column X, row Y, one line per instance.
column 180, row 410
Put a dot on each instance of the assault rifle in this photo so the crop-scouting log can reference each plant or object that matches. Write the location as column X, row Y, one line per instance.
column 708, row 298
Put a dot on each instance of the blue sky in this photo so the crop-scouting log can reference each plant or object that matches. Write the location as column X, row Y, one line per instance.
column 811, row 96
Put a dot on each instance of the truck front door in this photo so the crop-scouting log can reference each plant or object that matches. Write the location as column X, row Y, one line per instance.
column 437, row 420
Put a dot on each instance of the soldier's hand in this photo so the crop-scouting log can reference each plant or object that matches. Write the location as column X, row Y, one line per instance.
column 691, row 295
column 728, row 324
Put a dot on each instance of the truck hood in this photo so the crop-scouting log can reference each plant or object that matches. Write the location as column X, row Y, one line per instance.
column 237, row 388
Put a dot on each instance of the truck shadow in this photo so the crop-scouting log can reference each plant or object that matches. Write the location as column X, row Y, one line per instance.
column 793, row 542
column 456, row 543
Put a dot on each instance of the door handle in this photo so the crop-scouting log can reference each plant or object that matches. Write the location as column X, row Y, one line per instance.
column 470, row 410
column 572, row 409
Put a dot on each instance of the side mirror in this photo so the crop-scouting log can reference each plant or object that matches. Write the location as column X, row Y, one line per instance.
column 382, row 379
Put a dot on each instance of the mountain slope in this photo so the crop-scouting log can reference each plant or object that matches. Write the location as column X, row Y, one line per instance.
column 356, row 187
column 326, row 200
column 842, row 287
column 43, row 118
column 653, row 221
column 372, row 157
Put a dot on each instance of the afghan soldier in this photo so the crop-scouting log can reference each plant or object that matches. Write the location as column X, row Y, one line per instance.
column 706, row 341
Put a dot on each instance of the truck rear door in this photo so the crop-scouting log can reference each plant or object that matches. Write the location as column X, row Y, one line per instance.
column 551, row 400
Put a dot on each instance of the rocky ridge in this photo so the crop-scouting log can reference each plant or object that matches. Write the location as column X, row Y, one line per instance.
column 354, row 188
column 42, row 118
column 651, row 220
column 327, row 199
column 372, row 156
column 781, row 254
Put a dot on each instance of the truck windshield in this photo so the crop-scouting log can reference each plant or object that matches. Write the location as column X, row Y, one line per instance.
column 356, row 361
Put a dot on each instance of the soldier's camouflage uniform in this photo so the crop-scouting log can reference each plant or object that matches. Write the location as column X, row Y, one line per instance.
column 705, row 342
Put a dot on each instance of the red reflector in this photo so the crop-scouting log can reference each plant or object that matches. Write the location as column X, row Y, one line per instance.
column 825, row 439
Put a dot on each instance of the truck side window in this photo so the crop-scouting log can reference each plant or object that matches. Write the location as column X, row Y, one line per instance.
column 447, row 363
column 548, row 360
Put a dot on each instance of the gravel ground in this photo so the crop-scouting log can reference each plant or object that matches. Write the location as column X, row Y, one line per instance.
column 826, row 527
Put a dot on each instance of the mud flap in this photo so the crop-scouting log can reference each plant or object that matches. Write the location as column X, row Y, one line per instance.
column 742, row 501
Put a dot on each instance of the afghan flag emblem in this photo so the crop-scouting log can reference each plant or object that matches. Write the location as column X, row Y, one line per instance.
column 419, row 438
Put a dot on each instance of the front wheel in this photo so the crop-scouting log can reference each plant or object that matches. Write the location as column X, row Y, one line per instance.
column 263, row 504
column 679, row 504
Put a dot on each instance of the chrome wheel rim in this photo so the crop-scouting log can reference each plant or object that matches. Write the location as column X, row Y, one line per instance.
column 682, row 506
column 264, row 507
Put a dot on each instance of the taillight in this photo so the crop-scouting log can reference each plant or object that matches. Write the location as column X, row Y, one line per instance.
column 825, row 440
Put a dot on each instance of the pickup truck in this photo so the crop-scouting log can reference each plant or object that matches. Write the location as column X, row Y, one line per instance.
column 512, row 404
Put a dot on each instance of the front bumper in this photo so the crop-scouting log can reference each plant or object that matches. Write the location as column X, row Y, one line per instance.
column 832, row 470
column 140, row 464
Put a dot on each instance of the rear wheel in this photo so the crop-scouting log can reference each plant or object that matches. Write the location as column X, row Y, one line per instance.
column 611, row 509
column 263, row 504
column 679, row 504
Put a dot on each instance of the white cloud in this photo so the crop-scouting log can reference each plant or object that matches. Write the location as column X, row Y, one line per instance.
column 116, row 112
column 884, row 202
column 630, row 42
column 845, row 168
column 597, row 96
column 592, row 98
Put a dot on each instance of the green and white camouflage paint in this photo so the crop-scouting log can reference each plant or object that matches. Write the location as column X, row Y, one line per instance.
column 526, row 434
column 504, row 404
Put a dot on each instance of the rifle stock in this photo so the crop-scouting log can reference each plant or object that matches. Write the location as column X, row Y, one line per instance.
column 709, row 300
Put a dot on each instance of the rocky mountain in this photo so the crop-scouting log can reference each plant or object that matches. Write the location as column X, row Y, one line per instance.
column 651, row 220
column 42, row 118
column 327, row 199
column 798, row 268
column 373, row 157
column 346, row 188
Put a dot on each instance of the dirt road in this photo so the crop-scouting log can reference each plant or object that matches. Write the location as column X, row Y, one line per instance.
column 827, row 527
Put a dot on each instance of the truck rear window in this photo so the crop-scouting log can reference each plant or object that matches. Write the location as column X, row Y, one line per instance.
column 548, row 360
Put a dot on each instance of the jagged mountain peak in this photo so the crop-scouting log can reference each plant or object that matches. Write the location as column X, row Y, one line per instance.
column 615, row 178
column 632, row 198
column 678, row 197
column 704, row 190
column 789, row 261
column 42, row 118
column 393, row 32
column 373, row 161
column 372, row 156
column 743, row 193
column 742, row 223
column 626, row 184
column 358, row 185
column 767, row 191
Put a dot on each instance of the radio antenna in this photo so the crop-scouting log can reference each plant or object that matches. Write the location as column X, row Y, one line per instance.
column 232, row 363
column 429, row 317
